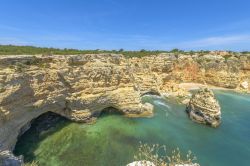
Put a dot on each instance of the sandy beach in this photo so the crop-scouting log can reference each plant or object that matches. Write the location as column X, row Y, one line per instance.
column 195, row 86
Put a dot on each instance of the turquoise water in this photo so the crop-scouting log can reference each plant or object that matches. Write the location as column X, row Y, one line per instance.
column 114, row 139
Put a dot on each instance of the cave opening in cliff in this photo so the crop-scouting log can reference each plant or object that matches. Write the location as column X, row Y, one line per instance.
column 110, row 111
column 151, row 92
column 37, row 130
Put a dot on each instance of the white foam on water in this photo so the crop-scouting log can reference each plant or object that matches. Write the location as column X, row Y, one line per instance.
column 161, row 103
column 158, row 102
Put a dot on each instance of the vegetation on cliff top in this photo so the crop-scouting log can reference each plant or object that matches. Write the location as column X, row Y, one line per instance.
column 31, row 50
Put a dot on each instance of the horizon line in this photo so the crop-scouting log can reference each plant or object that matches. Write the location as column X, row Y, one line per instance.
column 124, row 50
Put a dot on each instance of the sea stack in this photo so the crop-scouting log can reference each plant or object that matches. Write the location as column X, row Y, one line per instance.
column 204, row 108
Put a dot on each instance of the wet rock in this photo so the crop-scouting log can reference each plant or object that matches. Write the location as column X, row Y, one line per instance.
column 204, row 108
column 8, row 159
column 147, row 107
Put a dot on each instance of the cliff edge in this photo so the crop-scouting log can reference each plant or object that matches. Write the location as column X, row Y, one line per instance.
column 79, row 87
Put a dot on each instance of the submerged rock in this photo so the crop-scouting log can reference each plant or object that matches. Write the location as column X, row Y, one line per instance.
column 204, row 108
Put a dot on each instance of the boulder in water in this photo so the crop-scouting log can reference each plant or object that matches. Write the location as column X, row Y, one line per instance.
column 204, row 108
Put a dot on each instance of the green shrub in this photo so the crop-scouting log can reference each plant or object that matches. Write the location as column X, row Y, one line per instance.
column 158, row 155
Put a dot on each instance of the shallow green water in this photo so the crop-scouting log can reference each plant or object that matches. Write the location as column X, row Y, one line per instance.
column 113, row 140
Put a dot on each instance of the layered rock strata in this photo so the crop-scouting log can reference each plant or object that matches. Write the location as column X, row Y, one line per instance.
column 204, row 108
column 79, row 87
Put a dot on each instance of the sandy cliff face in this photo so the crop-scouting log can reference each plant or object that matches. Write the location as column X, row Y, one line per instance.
column 76, row 87
column 79, row 87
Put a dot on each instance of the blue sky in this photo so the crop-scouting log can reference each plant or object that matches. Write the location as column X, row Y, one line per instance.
column 128, row 24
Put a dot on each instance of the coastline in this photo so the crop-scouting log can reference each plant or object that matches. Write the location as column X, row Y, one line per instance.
column 195, row 86
column 79, row 87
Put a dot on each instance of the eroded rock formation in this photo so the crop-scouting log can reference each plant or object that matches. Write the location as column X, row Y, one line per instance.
column 79, row 87
column 204, row 108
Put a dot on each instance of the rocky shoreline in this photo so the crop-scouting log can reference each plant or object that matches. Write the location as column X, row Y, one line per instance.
column 78, row 87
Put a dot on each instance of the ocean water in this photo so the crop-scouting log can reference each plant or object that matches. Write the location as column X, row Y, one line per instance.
column 113, row 139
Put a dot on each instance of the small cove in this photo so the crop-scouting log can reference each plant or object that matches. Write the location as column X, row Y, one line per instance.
column 113, row 139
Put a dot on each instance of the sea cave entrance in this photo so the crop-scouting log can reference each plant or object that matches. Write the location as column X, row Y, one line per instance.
column 151, row 92
column 39, row 129
column 110, row 111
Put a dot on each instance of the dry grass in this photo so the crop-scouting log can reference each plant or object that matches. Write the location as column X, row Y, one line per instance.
column 158, row 155
column 33, row 163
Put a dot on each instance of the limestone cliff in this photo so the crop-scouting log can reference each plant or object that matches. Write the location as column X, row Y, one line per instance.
column 79, row 87
column 204, row 108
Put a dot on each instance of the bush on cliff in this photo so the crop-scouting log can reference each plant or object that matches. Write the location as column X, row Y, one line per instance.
column 158, row 155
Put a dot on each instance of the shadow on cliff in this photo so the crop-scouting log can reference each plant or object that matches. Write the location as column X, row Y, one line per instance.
column 151, row 92
column 41, row 127
column 110, row 111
